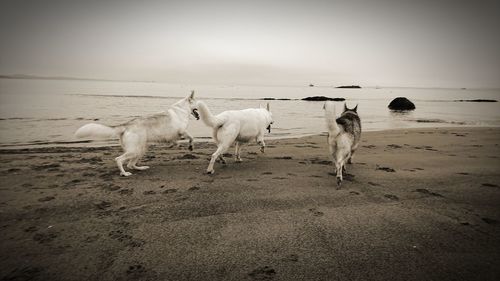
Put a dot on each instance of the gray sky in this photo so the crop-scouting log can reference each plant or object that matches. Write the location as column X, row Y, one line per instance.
column 443, row 43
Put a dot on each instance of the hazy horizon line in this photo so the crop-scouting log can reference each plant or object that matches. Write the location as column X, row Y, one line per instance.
column 76, row 78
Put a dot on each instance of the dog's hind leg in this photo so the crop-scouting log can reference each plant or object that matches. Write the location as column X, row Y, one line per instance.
column 226, row 137
column 132, row 164
column 353, row 149
column 237, row 150
column 123, row 158
column 221, row 159
column 140, row 151
column 345, row 160
column 339, row 158
column 339, row 166
column 220, row 150
column 351, row 155
column 134, row 144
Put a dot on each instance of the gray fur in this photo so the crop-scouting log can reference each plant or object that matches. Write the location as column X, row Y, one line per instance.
column 350, row 123
column 344, row 134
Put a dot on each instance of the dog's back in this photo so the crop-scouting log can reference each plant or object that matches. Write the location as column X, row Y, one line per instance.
column 350, row 124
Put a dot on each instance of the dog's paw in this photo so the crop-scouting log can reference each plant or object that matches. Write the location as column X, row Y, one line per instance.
column 339, row 182
column 210, row 172
column 262, row 149
column 126, row 174
column 190, row 148
column 238, row 160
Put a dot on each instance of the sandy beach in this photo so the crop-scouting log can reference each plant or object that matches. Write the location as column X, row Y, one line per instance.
column 417, row 204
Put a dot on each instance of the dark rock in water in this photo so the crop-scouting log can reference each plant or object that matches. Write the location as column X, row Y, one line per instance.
column 311, row 85
column 322, row 98
column 401, row 103
column 477, row 100
column 349, row 87
column 430, row 121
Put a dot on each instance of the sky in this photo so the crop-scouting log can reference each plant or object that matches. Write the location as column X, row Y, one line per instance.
column 424, row 43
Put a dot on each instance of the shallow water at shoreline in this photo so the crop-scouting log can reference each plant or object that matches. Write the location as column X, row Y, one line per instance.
column 48, row 112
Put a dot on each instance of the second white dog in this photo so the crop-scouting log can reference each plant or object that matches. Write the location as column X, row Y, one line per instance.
column 235, row 126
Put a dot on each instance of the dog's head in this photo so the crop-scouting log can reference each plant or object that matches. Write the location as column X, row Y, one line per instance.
column 193, row 106
column 188, row 104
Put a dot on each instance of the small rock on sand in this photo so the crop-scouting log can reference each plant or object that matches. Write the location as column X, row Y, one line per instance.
column 262, row 273
column 387, row 169
column 392, row 197
column 47, row 198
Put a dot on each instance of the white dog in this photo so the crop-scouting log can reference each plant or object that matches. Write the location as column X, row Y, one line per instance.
column 135, row 135
column 344, row 134
column 235, row 126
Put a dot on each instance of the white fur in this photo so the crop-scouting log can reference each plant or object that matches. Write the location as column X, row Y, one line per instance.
column 95, row 130
column 136, row 134
column 339, row 144
column 235, row 126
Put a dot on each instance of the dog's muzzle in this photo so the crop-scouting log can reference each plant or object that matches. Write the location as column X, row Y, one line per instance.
column 195, row 114
column 269, row 128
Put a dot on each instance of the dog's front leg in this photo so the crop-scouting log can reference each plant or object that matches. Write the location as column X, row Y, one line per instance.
column 262, row 145
column 190, row 138
column 349, row 161
column 339, row 166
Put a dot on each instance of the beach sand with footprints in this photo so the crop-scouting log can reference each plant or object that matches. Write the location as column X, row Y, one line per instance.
column 417, row 204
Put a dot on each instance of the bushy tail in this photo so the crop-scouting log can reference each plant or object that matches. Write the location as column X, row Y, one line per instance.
column 93, row 130
column 208, row 118
column 330, row 116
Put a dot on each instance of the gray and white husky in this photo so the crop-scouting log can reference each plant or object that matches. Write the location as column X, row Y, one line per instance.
column 344, row 134
column 135, row 135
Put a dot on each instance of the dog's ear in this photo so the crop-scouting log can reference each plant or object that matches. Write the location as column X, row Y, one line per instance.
column 355, row 109
column 191, row 96
column 345, row 107
column 268, row 108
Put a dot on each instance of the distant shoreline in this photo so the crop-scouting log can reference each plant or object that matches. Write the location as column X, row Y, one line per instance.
column 63, row 78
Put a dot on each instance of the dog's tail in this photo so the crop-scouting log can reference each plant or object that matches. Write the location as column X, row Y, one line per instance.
column 208, row 118
column 94, row 130
column 331, row 118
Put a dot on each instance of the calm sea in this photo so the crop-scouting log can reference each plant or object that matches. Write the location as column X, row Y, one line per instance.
column 48, row 112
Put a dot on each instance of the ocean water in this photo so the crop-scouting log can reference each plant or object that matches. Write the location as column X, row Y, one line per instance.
column 48, row 112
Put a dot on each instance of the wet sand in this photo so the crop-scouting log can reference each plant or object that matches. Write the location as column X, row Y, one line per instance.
column 419, row 204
